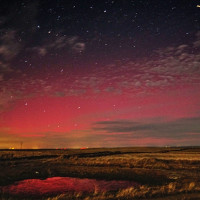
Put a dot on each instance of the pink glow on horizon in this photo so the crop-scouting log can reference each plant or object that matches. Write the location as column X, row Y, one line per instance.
column 64, row 114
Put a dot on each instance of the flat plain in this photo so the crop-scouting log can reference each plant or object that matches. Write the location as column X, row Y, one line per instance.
column 161, row 172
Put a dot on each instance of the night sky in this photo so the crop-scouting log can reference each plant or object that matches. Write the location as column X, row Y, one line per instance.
column 89, row 73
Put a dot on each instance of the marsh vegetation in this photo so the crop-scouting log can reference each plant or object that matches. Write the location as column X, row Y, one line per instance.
column 161, row 173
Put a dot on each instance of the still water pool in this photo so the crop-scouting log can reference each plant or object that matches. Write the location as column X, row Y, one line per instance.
column 59, row 185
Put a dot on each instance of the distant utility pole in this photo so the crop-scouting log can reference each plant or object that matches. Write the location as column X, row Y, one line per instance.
column 21, row 143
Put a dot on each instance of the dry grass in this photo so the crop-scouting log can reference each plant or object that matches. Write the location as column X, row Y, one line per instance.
column 143, row 192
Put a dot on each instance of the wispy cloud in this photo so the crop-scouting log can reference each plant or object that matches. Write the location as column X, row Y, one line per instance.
column 9, row 49
column 171, row 66
column 59, row 43
column 196, row 43
column 11, row 42
column 185, row 127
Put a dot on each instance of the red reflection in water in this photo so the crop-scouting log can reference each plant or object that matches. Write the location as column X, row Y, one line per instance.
column 58, row 185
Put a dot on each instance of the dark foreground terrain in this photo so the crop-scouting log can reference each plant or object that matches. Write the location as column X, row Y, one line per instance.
column 161, row 173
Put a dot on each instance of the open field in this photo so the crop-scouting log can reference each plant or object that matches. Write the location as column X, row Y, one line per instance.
column 162, row 173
